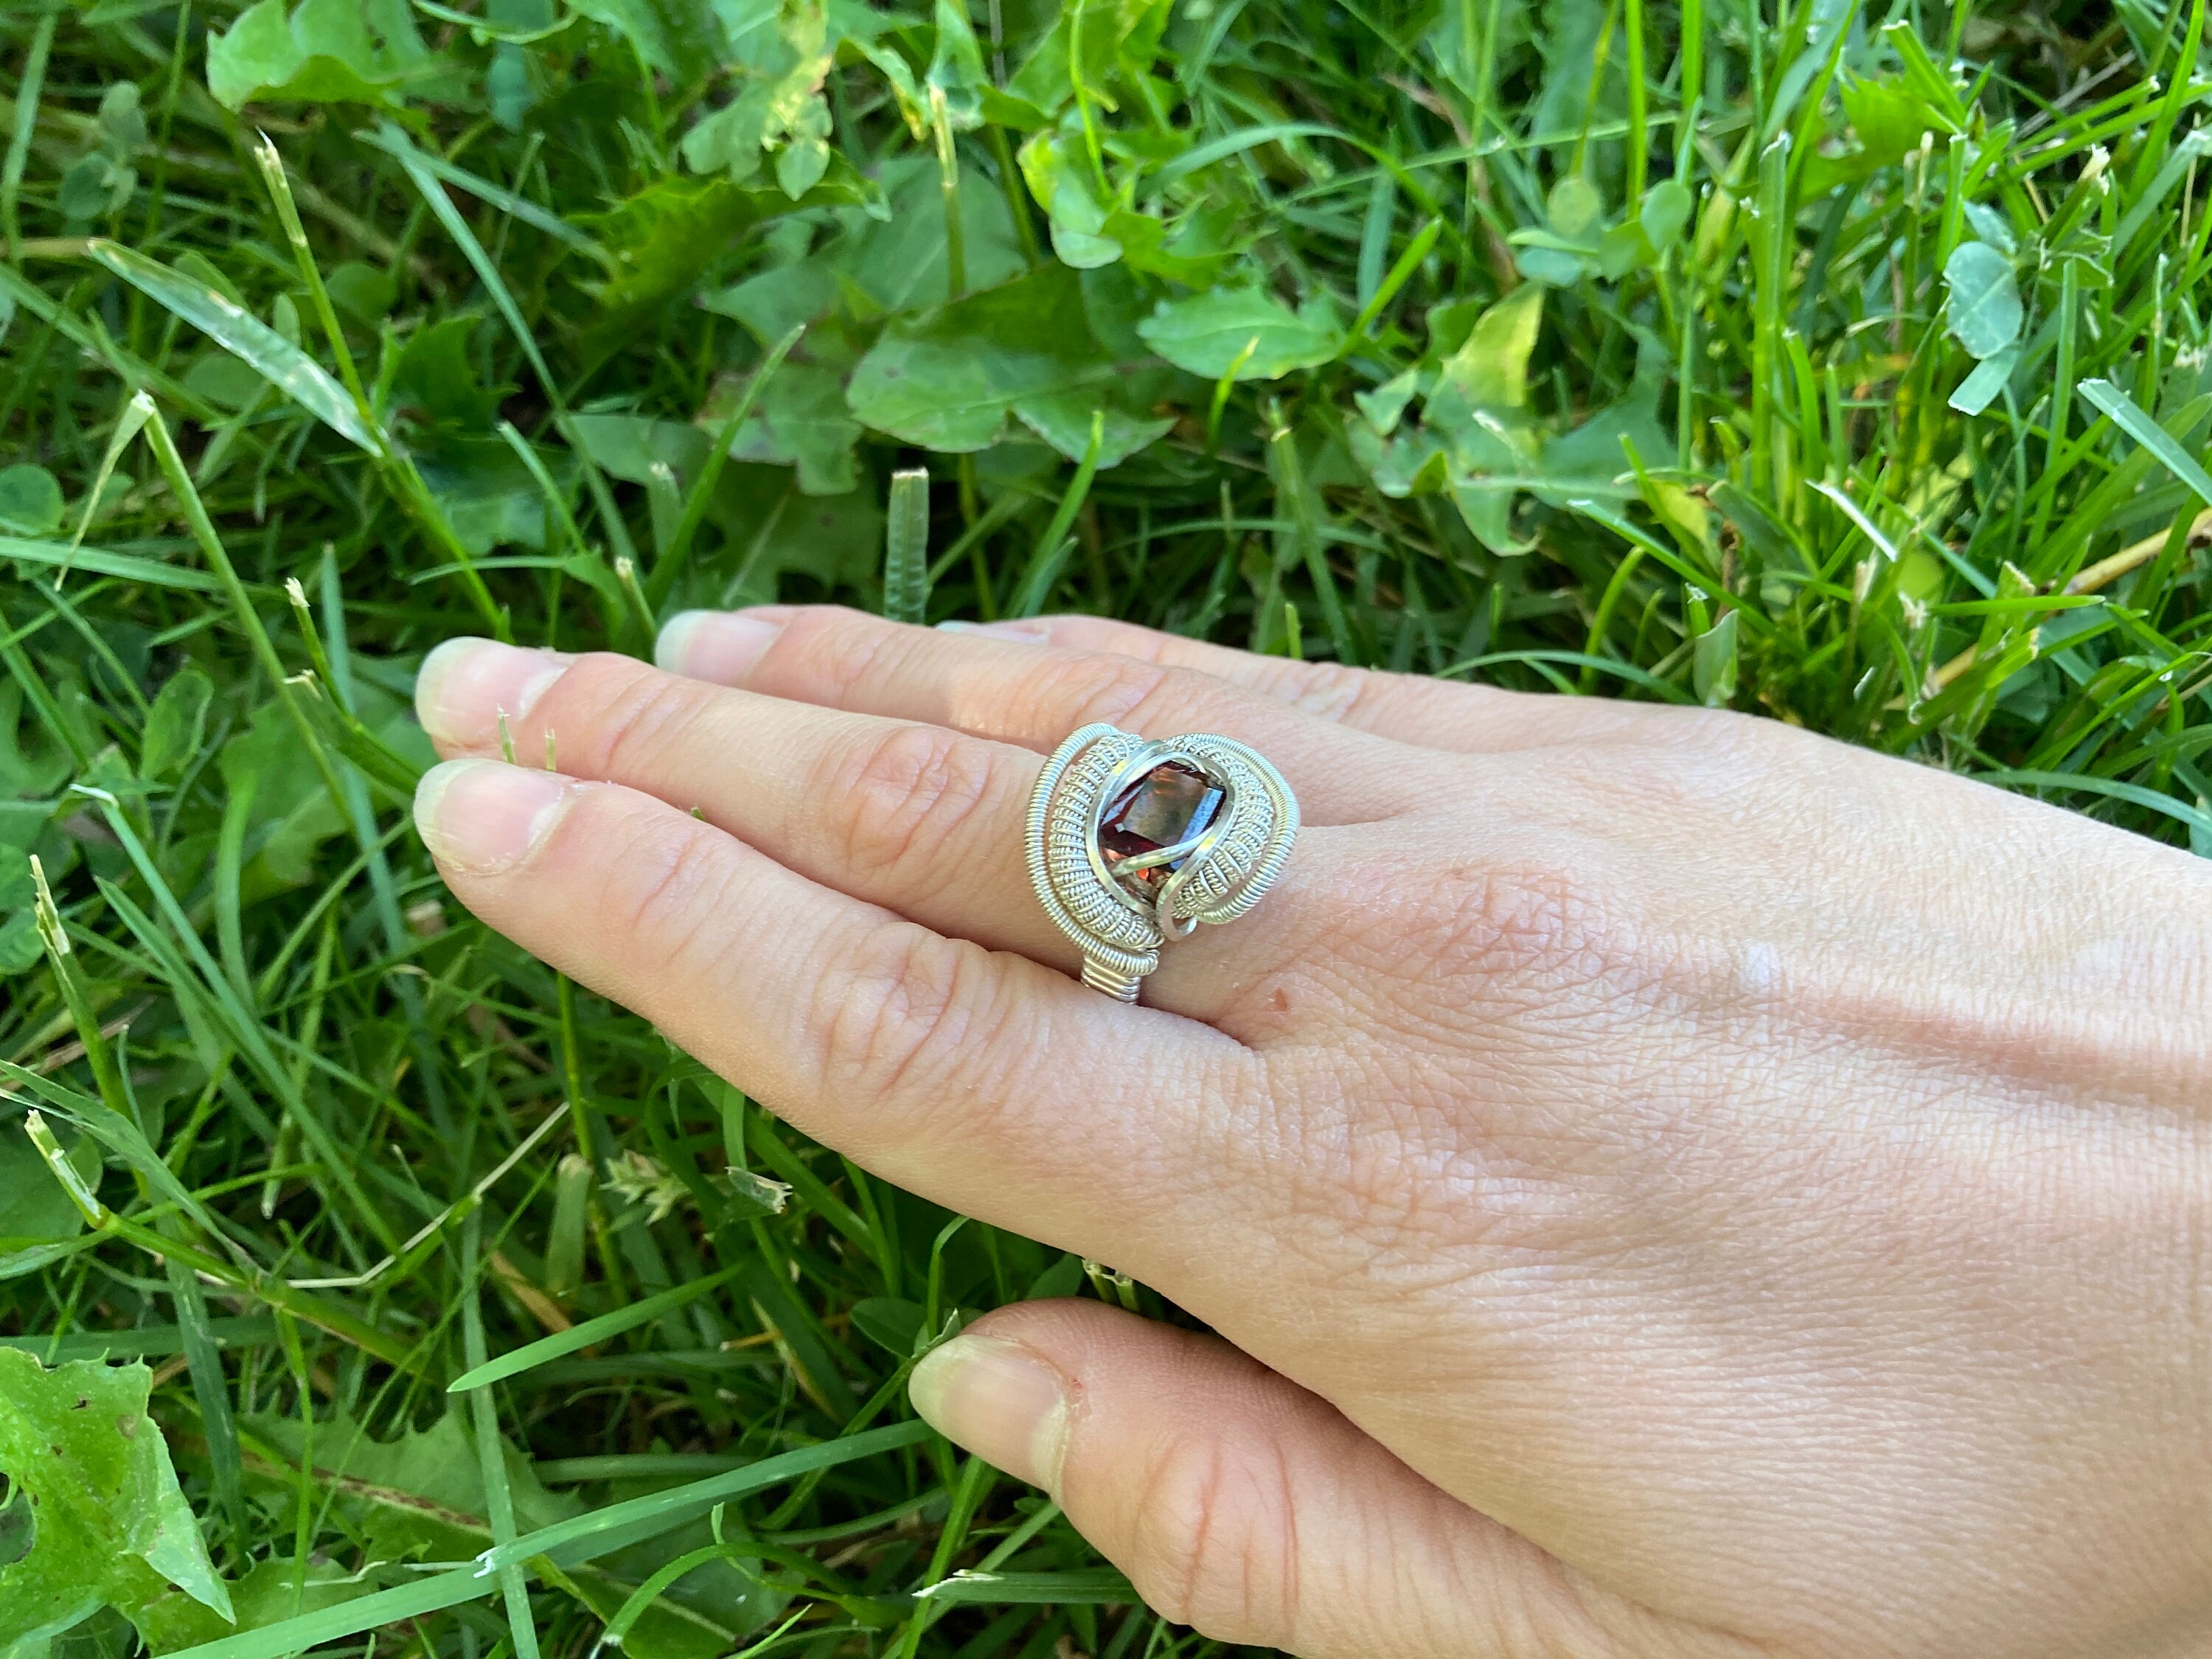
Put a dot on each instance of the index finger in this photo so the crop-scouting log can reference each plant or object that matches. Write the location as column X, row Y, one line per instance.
column 985, row 1081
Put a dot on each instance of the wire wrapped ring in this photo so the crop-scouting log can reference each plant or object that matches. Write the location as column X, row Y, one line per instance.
column 1134, row 841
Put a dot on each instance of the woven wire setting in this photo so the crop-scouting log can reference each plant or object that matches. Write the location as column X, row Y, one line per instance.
column 1135, row 840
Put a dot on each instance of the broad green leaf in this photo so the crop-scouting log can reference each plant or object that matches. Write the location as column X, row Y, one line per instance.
column 1574, row 209
column 1590, row 460
column 729, row 140
column 1118, row 38
column 20, row 953
column 122, row 121
column 1983, row 310
column 111, row 1526
column 773, row 527
column 1385, row 406
column 1415, row 461
column 1713, row 661
column 276, row 359
column 1665, row 213
column 490, row 494
column 954, row 379
column 1057, row 168
column 1490, row 464
column 225, row 382
column 801, row 420
column 1476, row 440
column 898, row 262
column 659, row 239
column 804, row 156
column 418, row 1495
column 890, row 1321
column 1888, row 118
column 1491, row 370
column 780, row 107
column 1992, row 227
column 1987, row 378
column 273, row 1591
column 433, row 385
column 629, row 447
column 292, row 814
column 30, row 500
column 32, row 1203
column 772, row 302
column 956, row 70
column 327, row 52
column 176, row 723
column 680, row 38
column 662, row 238
column 906, row 91
column 1207, row 334
column 363, row 292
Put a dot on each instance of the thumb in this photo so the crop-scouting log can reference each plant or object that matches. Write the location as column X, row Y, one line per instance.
column 1240, row 1504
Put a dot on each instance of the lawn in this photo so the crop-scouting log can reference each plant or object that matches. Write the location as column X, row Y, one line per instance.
column 1838, row 366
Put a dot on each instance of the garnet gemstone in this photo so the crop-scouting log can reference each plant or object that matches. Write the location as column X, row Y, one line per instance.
column 1170, row 803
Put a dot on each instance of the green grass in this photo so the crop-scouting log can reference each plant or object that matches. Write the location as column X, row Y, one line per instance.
column 1866, row 388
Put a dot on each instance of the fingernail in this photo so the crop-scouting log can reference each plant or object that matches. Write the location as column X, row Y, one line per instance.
column 467, row 684
column 481, row 816
column 999, row 1401
column 1020, row 631
column 717, row 646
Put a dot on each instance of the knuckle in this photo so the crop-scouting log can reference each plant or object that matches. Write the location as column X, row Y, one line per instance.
column 1329, row 690
column 661, row 885
column 615, row 715
column 1121, row 690
column 908, row 1015
column 840, row 650
column 1213, row 1545
column 913, row 795
column 1462, row 924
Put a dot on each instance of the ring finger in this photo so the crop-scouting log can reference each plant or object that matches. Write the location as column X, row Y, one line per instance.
column 919, row 819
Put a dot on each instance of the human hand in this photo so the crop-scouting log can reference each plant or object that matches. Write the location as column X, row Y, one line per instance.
column 1679, row 1186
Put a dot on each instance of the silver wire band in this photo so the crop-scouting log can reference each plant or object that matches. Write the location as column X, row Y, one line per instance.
column 1214, row 875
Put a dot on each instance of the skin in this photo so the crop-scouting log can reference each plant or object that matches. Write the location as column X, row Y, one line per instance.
column 1664, row 1183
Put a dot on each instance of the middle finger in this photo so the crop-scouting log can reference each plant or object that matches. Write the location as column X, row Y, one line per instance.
column 917, row 819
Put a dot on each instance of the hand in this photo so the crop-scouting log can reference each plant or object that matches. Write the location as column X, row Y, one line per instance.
column 1673, row 1185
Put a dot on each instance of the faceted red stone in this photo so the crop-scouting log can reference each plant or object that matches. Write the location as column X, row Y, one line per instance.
column 1170, row 803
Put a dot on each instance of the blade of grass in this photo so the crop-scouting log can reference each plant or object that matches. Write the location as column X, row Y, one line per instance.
column 906, row 548
column 2126, row 413
column 661, row 582
column 1051, row 554
column 28, row 88
column 589, row 1335
column 491, row 1453
column 244, row 336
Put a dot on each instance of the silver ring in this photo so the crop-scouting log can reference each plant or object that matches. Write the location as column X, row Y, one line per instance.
column 1134, row 841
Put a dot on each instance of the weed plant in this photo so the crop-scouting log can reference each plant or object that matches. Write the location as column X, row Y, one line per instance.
column 1838, row 365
